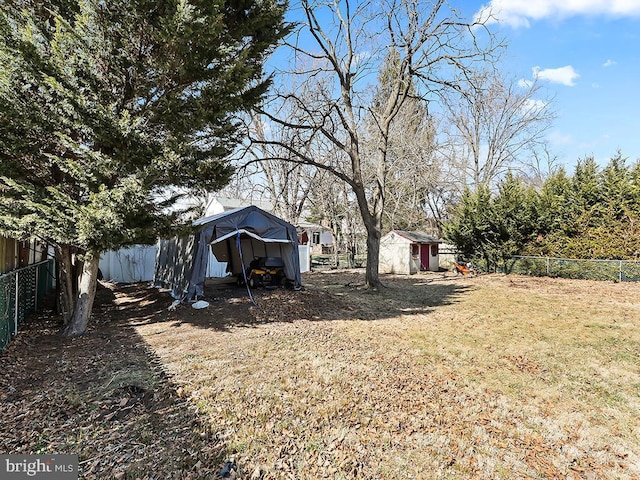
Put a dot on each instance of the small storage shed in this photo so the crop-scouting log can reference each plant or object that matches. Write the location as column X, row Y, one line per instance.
column 235, row 237
column 406, row 253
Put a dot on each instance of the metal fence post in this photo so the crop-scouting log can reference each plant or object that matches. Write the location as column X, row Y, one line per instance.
column 35, row 304
column 620, row 272
column 548, row 260
column 16, row 304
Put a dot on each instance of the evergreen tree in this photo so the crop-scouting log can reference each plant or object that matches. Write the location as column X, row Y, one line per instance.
column 586, row 195
column 634, row 187
column 616, row 236
column 553, row 216
column 473, row 229
column 513, row 209
column 105, row 103
column 593, row 215
column 617, row 189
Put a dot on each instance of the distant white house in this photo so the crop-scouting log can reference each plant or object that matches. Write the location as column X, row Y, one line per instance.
column 403, row 252
column 318, row 237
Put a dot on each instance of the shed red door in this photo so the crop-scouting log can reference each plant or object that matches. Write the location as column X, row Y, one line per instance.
column 424, row 257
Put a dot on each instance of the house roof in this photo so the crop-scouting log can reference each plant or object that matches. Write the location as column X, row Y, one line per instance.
column 417, row 237
column 312, row 226
column 229, row 203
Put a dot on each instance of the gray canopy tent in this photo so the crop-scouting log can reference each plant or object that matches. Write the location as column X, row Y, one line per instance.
column 235, row 237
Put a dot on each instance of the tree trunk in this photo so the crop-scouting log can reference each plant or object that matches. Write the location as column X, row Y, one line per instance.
column 86, row 296
column 373, row 224
column 67, row 283
column 374, row 233
column 336, row 254
column 337, row 237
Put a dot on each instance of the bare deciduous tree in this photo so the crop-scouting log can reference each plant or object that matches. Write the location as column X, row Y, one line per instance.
column 412, row 171
column 262, row 173
column 497, row 125
column 287, row 183
column 333, row 203
column 338, row 49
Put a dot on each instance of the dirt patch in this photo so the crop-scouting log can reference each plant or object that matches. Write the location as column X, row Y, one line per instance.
column 435, row 376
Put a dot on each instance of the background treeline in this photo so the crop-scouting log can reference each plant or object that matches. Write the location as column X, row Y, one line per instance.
column 594, row 214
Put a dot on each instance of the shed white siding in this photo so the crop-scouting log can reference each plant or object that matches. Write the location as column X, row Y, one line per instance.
column 395, row 254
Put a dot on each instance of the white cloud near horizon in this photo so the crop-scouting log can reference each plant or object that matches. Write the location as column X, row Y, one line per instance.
column 563, row 75
column 609, row 63
column 520, row 13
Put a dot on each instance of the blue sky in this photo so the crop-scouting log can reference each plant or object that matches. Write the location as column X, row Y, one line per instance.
column 586, row 53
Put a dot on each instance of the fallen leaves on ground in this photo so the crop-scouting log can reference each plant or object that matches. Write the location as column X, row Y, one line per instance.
column 329, row 382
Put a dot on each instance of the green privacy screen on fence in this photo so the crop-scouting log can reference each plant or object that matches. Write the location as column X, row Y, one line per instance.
column 21, row 292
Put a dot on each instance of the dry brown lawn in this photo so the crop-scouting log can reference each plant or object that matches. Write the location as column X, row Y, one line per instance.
column 436, row 376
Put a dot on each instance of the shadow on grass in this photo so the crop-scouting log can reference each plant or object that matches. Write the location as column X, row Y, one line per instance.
column 326, row 297
column 104, row 396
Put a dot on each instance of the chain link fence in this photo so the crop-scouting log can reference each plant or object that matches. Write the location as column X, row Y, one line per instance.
column 21, row 293
column 608, row 270
column 328, row 261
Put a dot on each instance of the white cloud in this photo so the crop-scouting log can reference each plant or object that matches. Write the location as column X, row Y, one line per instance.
column 560, row 138
column 524, row 83
column 609, row 63
column 533, row 105
column 563, row 75
column 520, row 13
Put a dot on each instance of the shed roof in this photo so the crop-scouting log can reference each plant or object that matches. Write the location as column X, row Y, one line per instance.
column 417, row 237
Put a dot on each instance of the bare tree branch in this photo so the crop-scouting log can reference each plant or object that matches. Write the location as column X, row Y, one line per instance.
column 338, row 117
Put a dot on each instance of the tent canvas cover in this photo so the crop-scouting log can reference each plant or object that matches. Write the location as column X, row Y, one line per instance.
column 235, row 237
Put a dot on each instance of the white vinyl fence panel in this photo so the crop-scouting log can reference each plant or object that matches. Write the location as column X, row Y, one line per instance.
column 129, row 265
column 137, row 264
column 304, row 252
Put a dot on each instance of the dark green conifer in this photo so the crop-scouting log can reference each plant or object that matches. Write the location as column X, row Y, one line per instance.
column 103, row 104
